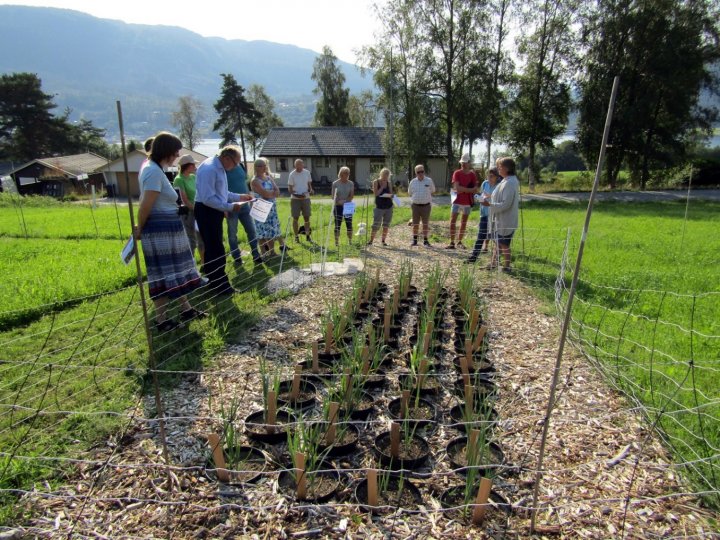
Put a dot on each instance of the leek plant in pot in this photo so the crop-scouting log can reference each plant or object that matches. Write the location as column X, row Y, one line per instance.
column 479, row 461
column 401, row 447
column 270, row 424
column 231, row 462
column 311, row 477
column 384, row 492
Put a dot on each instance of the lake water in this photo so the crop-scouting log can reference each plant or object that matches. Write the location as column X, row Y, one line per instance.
column 210, row 147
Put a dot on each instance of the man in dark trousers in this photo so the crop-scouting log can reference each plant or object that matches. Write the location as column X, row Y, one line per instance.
column 212, row 200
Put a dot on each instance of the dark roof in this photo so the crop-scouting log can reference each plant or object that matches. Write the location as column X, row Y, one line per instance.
column 73, row 166
column 324, row 141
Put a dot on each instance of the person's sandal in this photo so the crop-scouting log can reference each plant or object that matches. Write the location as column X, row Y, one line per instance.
column 167, row 325
column 192, row 313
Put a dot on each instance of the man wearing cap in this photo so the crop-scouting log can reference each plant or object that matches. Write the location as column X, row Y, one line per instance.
column 184, row 183
column 300, row 188
column 464, row 185
column 212, row 200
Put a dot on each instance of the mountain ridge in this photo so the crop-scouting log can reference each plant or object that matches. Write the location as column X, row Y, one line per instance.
column 88, row 63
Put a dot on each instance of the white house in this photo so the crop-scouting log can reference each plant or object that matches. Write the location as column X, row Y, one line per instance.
column 325, row 149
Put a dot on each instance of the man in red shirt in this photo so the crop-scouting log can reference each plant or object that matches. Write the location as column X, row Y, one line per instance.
column 464, row 186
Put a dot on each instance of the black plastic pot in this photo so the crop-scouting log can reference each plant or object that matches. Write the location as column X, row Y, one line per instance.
column 394, row 410
column 431, row 386
column 334, row 355
column 245, row 465
column 495, row 457
column 345, row 446
column 392, row 498
column 377, row 379
column 361, row 410
column 488, row 418
column 306, row 398
column 325, row 371
column 477, row 365
column 418, row 458
column 454, row 497
column 329, row 481
column 255, row 426
column 484, row 387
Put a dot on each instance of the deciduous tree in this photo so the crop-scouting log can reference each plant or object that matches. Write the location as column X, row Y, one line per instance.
column 332, row 107
column 268, row 119
column 187, row 120
column 663, row 51
column 541, row 104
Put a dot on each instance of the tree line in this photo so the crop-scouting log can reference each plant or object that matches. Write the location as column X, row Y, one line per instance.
column 451, row 73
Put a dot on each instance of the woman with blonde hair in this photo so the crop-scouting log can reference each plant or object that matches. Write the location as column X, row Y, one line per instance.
column 383, row 212
column 265, row 188
column 343, row 191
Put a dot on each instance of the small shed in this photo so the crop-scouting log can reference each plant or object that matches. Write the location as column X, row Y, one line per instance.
column 60, row 175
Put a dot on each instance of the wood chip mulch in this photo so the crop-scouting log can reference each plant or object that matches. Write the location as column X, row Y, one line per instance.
column 605, row 475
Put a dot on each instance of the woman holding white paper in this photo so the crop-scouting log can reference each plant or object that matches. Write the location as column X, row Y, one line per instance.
column 265, row 188
column 343, row 191
column 383, row 212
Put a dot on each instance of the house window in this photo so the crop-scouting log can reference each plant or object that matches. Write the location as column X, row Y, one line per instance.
column 375, row 166
column 282, row 164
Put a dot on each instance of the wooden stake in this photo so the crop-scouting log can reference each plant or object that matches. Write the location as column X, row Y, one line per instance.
column 386, row 325
column 332, row 417
column 395, row 300
column 471, row 308
column 328, row 337
column 423, row 372
column 271, row 413
column 295, row 389
column 300, row 476
column 474, row 319
column 430, row 327
column 481, row 501
column 315, row 360
column 472, row 444
column 465, row 371
column 404, row 400
column 347, row 378
column 468, row 401
column 372, row 487
column 395, row 440
column 479, row 338
column 426, row 342
column 218, row 457
column 365, row 355
column 468, row 350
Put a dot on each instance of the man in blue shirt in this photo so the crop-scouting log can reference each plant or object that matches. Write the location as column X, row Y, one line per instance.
column 237, row 183
column 212, row 201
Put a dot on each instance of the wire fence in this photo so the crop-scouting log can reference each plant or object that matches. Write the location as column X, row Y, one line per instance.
column 80, row 376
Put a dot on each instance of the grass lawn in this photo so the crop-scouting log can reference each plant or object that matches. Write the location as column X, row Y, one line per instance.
column 647, row 307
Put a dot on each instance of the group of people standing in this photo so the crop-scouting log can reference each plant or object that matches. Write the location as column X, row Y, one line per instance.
column 498, row 197
column 217, row 189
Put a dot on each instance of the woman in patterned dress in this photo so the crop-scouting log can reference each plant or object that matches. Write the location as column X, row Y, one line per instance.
column 170, row 265
column 265, row 188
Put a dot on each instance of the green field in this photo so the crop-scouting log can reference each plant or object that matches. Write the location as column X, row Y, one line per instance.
column 74, row 353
